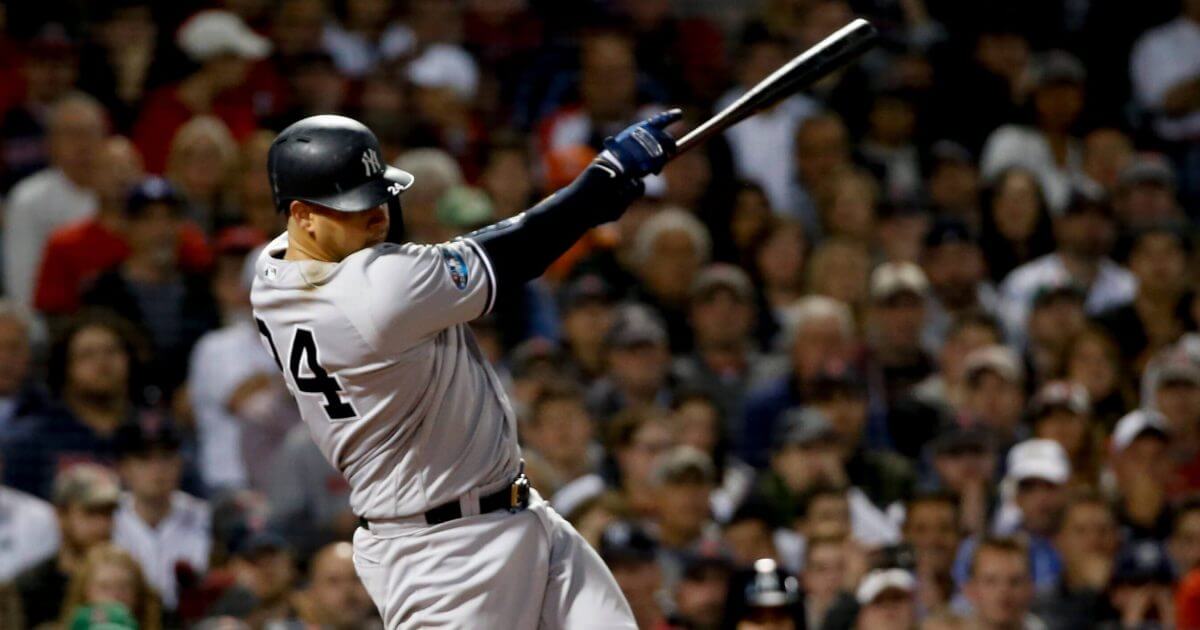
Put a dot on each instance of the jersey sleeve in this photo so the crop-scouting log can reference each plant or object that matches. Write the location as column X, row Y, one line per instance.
column 420, row 290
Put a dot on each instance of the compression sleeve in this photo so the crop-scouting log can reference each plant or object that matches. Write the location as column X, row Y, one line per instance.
column 521, row 248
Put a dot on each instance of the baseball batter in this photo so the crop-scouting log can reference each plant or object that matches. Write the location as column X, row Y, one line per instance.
column 372, row 341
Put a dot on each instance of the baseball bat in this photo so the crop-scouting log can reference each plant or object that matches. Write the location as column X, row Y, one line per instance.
column 807, row 68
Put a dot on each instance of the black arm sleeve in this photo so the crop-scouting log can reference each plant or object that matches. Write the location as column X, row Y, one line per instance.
column 521, row 248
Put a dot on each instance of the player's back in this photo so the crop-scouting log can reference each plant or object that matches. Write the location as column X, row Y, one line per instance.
column 389, row 379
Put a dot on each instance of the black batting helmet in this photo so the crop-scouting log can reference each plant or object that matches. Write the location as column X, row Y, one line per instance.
column 334, row 162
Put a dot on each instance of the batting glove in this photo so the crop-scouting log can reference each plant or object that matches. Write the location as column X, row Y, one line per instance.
column 643, row 148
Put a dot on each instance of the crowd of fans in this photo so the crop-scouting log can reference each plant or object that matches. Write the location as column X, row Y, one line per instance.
column 917, row 347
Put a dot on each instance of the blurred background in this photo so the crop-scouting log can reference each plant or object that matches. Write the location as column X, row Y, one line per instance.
column 923, row 337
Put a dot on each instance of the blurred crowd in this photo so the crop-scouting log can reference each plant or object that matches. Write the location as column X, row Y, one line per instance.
column 915, row 348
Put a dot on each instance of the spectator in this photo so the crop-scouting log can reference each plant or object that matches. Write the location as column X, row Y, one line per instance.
column 700, row 593
column 1165, row 77
column 1183, row 545
column 1087, row 540
column 507, row 176
column 763, row 148
column 931, row 530
column 365, row 36
column 307, row 498
column 848, row 205
column 823, row 578
column 1055, row 318
column 165, row 530
column 1001, row 586
column 445, row 81
column 587, row 314
column 78, row 252
column 698, row 424
column 630, row 554
column 1141, row 588
column 85, row 497
column 889, row 144
column 671, row 248
column 995, row 392
column 1145, row 193
column 822, row 149
column 335, row 598
column 558, row 436
column 109, row 575
column 952, row 184
column 1094, row 361
column 263, row 572
column 638, row 363
column 899, row 291
column 439, row 172
column 1051, row 149
column 239, row 401
column 779, row 266
column 764, row 597
column 1142, row 470
column 1033, row 494
column 171, row 308
column 683, row 480
column 1107, row 153
column 841, row 268
column 21, row 397
column 223, row 47
column 91, row 371
column 200, row 164
column 723, row 362
column 953, row 262
column 1158, row 313
column 59, row 194
column 963, row 462
column 1016, row 222
column 254, row 202
column 28, row 536
column 943, row 392
column 748, row 534
column 887, row 600
column 49, row 68
column 1177, row 397
column 1061, row 411
column 1085, row 236
column 119, row 63
column 822, row 334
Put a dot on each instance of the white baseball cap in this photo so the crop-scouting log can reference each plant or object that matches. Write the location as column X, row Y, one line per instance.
column 881, row 580
column 1134, row 424
column 893, row 278
column 1038, row 459
column 214, row 32
column 445, row 66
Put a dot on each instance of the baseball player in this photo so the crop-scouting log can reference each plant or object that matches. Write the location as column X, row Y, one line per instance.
column 372, row 339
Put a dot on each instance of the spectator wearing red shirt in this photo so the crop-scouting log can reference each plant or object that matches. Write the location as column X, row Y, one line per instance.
column 225, row 48
column 78, row 252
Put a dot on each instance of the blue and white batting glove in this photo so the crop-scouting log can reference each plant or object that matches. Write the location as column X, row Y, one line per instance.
column 642, row 149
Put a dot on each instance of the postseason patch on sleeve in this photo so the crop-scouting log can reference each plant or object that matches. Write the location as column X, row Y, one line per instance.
column 456, row 266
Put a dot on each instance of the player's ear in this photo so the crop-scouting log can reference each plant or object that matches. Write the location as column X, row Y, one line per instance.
column 301, row 213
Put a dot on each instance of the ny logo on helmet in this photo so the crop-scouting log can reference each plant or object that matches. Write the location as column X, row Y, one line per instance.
column 371, row 163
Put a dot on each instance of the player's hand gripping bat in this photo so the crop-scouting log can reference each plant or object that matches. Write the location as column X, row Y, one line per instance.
column 810, row 66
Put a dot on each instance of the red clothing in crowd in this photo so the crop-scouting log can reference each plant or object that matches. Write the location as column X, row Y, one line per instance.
column 1187, row 602
column 164, row 114
column 78, row 252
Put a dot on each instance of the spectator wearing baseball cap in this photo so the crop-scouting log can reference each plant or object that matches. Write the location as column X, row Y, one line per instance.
column 958, row 283
column 85, row 497
column 223, row 47
column 638, row 359
column 1146, row 192
column 963, row 462
column 586, row 306
column 764, row 596
column 163, row 528
column 1175, row 392
column 886, row 600
column 1033, row 494
column 1084, row 234
column 896, row 317
column 632, row 556
column 683, row 482
column 1142, row 469
column 171, row 308
column 1159, row 257
column 724, row 361
column 995, row 392
column 1143, row 588
column 1055, row 319
column 1061, row 411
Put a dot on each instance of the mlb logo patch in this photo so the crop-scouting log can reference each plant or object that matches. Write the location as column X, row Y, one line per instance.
column 456, row 266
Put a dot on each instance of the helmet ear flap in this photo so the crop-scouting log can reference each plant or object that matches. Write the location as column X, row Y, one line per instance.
column 395, row 221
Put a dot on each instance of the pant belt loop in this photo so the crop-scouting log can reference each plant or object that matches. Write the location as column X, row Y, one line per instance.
column 469, row 502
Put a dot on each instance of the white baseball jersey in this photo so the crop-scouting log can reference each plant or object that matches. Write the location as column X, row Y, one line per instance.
column 388, row 378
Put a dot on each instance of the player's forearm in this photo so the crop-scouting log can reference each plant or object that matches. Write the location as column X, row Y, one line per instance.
column 521, row 248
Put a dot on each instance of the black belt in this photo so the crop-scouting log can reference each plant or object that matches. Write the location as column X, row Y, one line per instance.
column 513, row 497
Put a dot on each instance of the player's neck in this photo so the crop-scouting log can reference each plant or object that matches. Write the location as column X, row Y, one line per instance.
column 302, row 247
